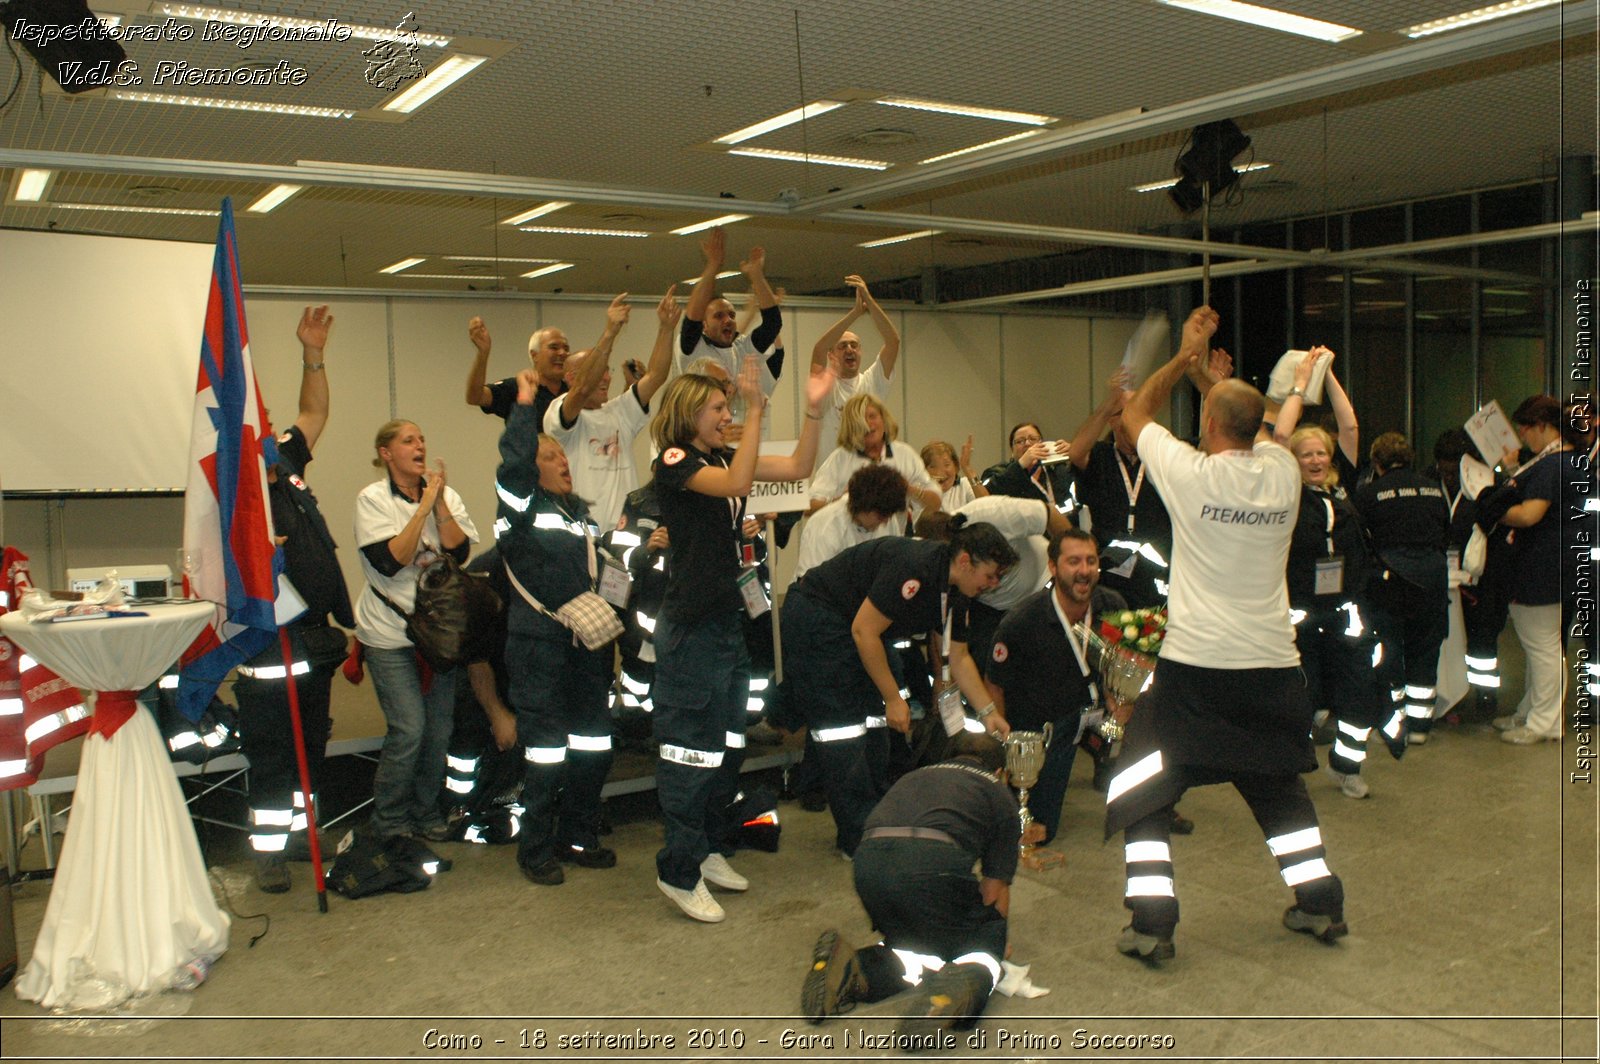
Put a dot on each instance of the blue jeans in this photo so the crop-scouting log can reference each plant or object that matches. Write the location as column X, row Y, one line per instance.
column 405, row 788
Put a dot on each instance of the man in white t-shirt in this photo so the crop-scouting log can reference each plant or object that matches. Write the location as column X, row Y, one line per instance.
column 710, row 323
column 842, row 348
column 598, row 433
column 1227, row 703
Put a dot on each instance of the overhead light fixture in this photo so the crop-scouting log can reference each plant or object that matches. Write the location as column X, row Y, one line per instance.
column 193, row 212
column 1157, row 186
column 554, row 267
column 31, row 185
column 1475, row 16
column 454, row 277
column 439, row 78
column 720, row 276
column 803, row 157
column 901, row 239
column 994, row 114
column 788, row 118
column 492, row 258
column 536, row 212
column 726, row 219
column 255, row 18
column 231, row 105
column 1268, row 18
column 579, row 231
column 1024, row 135
column 403, row 264
column 274, row 197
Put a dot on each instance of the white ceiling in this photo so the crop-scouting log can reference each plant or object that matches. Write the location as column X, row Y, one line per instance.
column 625, row 95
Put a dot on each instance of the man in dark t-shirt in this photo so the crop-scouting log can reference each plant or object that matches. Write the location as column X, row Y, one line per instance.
column 943, row 928
column 547, row 350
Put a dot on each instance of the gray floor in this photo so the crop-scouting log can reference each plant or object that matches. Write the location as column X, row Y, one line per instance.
column 1470, row 875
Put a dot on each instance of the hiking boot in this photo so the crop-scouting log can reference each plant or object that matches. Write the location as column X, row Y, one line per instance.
column 834, row 982
column 1179, row 824
column 1351, row 785
column 1325, row 928
column 697, row 904
column 272, row 874
column 546, row 874
column 1151, row 949
column 719, row 873
column 953, row 996
column 592, row 857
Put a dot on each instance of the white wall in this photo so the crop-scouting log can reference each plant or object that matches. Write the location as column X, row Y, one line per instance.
column 959, row 373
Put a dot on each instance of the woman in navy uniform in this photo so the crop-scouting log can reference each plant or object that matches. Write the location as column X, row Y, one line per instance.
column 1327, row 571
column 558, row 686
column 702, row 665
column 836, row 620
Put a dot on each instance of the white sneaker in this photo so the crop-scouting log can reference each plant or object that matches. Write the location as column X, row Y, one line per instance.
column 719, row 873
column 697, row 903
column 1351, row 785
column 1507, row 722
column 1416, row 738
column 1525, row 736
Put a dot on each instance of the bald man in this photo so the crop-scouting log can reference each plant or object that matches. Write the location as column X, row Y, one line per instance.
column 547, row 350
column 1227, row 703
column 841, row 348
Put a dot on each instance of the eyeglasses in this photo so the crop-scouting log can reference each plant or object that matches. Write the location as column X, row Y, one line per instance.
column 1026, row 441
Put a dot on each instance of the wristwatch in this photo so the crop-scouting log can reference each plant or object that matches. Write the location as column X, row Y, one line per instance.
column 1297, row 390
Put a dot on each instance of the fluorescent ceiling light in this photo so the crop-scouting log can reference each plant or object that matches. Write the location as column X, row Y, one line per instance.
column 273, row 198
column 788, row 118
column 491, row 258
column 231, row 105
column 1269, row 18
column 1471, row 18
column 31, row 184
column 802, row 157
column 403, row 264
column 123, row 209
column 579, row 231
column 552, row 268
column 1024, row 135
column 536, row 212
column 255, row 18
column 456, row 276
column 726, row 219
column 1505, row 291
column 1157, row 186
column 720, row 276
column 439, row 78
column 993, row 113
column 901, row 239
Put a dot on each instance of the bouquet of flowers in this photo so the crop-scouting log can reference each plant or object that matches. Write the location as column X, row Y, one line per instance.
column 1138, row 631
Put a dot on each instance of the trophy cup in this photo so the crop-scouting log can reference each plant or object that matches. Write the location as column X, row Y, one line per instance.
column 1025, row 752
column 1124, row 675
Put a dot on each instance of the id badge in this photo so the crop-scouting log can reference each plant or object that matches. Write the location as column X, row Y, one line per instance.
column 616, row 584
column 753, row 593
column 1452, row 559
column 1330, row 575
column 950, row 712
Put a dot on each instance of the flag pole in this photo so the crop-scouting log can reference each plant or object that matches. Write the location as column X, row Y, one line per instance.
column 305, row 769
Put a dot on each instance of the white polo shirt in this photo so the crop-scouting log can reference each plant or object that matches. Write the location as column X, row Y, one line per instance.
column 830, row 531
column 832, row 478
column 1023, row 523
column 1233, row 515
column 599, row 448
column 382, row 513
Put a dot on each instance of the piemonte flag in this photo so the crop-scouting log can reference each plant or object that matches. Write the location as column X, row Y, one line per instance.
column 230, row 558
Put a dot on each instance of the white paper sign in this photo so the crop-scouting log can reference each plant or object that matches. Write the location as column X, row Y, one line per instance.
column 1491, row 432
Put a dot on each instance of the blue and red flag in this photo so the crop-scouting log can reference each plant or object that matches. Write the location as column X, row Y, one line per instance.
column 230, row 558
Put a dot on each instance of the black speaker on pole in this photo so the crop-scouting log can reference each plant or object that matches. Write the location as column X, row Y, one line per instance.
column 66, row 39
column 1209, row 160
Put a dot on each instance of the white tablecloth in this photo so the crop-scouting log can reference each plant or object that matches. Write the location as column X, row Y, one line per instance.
column 131, row 901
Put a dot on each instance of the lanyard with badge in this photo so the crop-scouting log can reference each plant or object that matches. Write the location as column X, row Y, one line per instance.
column 611, row 579
column 1131, row 486
column 949, row 701
column 752, row 590
column 1092, row 716
column 1330, row 567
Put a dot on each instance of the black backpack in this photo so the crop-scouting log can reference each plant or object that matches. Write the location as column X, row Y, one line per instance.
column 455, row 611
column 368, row 865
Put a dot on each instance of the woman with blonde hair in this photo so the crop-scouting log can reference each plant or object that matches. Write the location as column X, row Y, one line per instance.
column 702, row 667
column 403, row 523
column 867, row 435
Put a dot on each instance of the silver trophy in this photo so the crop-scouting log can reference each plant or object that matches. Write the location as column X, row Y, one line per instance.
column 1124, row 675
column 1025, row 753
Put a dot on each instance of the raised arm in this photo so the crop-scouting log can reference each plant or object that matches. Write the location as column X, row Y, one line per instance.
column 1094, row 426
column 478, row 375
column 754, row 268
column 889, row 353
column 825, row 342
column 1294, row 403
column 1344, row 412
column 800, row 464
column 1139, row 411
column 595, row 363
column 714, row 247
column 668, row 311
column 313, row 334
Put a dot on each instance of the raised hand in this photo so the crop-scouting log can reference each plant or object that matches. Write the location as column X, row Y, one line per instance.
column 669, row 310
column 437, row 482
column 1302, row 370
column 1198, row 329
column 754, row 263
column 818, row 387
column 617, row 312
column 714, row 246
column 863, row 296
column 314, row 326
column 966, row 454
column 749, row 386
column 478, row 333
column 527, row 386
column 1220, row 366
